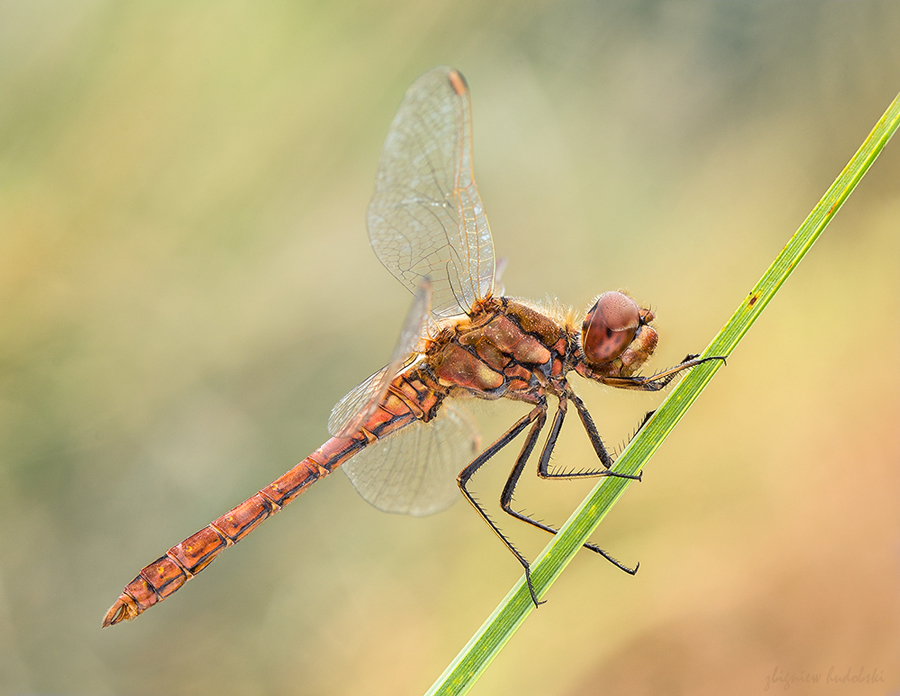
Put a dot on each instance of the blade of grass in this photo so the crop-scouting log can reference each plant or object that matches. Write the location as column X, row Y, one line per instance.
column 478, row 653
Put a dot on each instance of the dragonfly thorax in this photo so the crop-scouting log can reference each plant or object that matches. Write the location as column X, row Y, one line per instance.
column 503, row 348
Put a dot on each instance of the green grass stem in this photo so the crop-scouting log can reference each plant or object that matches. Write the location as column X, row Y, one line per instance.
column 500, row 626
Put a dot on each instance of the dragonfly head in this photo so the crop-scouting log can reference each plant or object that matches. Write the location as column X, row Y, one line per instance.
column 616, row 336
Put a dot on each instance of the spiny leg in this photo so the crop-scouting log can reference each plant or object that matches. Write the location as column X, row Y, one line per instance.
column 593, row 436
column 660, row 380
column 653, row 383
column 591, row 430
column 509, row 489
column 536, row 418
column 506, row 496
column 588, row 422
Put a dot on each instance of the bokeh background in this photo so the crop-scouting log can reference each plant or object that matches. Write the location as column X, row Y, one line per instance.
column 186, row 288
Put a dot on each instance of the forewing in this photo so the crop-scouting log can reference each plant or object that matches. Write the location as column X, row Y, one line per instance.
column 426, row 218
column 354, row 409
column 414, row 471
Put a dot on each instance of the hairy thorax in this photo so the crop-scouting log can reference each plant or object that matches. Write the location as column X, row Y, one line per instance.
column 502, row 349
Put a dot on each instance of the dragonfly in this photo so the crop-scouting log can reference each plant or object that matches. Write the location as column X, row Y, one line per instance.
column 403, row 436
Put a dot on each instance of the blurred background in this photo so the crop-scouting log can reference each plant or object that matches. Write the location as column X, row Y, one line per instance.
column 186, row 288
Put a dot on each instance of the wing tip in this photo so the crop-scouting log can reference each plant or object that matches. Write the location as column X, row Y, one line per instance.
column 458, row 82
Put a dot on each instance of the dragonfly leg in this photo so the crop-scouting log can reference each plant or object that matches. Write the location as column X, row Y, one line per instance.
column 593, row 436
column 660, row 380
column 536, row 419
column 509, row 489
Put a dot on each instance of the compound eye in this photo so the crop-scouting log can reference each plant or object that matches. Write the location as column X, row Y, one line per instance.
column 609, row 327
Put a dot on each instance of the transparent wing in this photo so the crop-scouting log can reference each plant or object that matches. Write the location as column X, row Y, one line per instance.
column 358, row 404
column 414, row 471
column 426, row 218
column 355, row 408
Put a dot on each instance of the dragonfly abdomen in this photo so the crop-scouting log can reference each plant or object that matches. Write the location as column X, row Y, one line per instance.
column 411, row 397
column 167, row 574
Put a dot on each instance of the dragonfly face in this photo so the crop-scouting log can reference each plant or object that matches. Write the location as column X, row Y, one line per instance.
column 616, row 336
